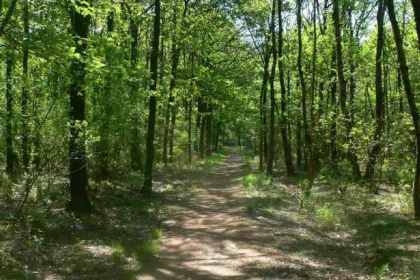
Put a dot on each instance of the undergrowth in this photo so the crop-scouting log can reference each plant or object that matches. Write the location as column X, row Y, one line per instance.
column 379, row 227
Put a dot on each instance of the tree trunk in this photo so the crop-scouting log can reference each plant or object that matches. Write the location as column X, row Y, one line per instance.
column 166, row 129
column 202, row 132
column 7, row 17
column 10, row 154
column 302, row 82
column 25, row 90
column 416, row 8
column 377, row 144
column 342, row 90
column 190, row 131
column 270, row 160
column 285, row 140
column 209, row 132
column 263, row 105
column 311, row 133
column 411, row 101
column 78, row 170
column 105, row 116
column 135, row 151
column 154, row 59
column 333, row 100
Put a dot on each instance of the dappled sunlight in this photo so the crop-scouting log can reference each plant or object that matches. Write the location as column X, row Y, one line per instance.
column 211, row 235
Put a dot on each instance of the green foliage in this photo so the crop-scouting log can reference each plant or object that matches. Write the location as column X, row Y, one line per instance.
column 215, row 159
column 255, row 181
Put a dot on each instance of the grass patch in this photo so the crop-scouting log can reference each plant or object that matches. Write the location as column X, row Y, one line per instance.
column 215, row 159
column 255, row 181
column 248, row 157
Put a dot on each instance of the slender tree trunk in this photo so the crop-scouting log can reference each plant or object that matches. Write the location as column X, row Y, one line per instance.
column 411, row 101
column 10, row 154
column 334, row 106
column 135, row 151
column 190, row 132
column 270, row 161
column 105, row 116
column 7, row 17
column 166, row 129
column 154, row 59
column 311, row 133
column 172, row 133
column 25, row 90
column 377, row 145
column 342, row 90
column 208, row 132
column 78, row 170
column 170, row 109
column 203, row 132
column 302, row 82
column 176, row 51
column 263, row 105
column 352, row 90
column 285, row 140
column 416, row 7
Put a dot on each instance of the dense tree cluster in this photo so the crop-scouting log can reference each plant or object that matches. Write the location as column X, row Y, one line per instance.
column 101, row 90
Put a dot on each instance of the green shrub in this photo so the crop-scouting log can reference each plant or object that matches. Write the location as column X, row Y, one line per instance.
column 255, row 181
column 327, row 217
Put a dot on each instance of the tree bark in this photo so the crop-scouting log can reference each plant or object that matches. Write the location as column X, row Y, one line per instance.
column 25, row 91
column 78, row 170
column 342, row 90
column 333, row 100
column 411, row 101
column 302, row 83
column 10, row 154
column 416, row 8
column 209, row 132
column 285, row 140
column 311, row 132
column 263, row 105
column 270, row 161
column 7, row 17
column 377, row 145
column 105, row 116
column 135, row 151
column 154, row 59
column 203, row 124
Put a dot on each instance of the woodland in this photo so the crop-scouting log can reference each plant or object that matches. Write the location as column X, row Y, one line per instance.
column 282, row 136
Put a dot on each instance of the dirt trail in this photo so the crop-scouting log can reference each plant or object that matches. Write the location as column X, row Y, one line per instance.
column 211, row 236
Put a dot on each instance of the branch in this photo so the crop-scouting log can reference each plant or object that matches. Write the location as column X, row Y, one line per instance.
column 8, row 16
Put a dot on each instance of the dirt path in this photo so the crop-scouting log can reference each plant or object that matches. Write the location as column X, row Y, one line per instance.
column 211, row 236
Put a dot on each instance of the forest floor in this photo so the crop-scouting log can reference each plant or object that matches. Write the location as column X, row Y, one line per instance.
column 210, row 223
column 225, row 231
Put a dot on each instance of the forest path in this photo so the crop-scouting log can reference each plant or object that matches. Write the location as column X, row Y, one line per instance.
column 210, row 236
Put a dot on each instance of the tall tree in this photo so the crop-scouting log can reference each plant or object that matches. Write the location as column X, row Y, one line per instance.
column 263, row 104
column 106, row 108
column 287, row 149
column 342, row 90
column 154, row 59
column 10, row 154
column 25, row 90
column 7, row 17
column 416, row 8
column 302, row 80
column 270, row 161
column 80, row 21
column 410, row 98
column 380, row 104
column 311, row 133
column 135, row 152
